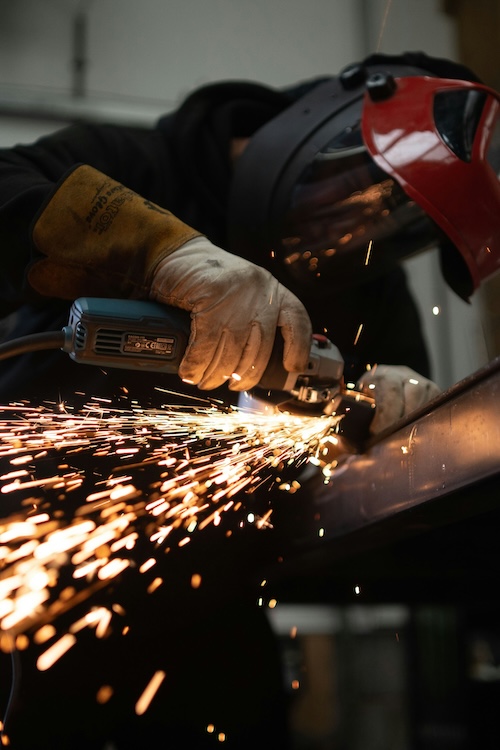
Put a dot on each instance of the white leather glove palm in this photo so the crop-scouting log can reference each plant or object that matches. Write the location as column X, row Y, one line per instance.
column 235, row 309
column 397, row 390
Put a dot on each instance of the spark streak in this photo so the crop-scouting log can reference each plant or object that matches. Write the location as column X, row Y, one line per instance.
column 368, row 252
column 358, row 334
column 49, row 657
column 151, row 689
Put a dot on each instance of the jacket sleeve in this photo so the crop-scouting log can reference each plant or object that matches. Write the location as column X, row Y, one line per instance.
column 45, row 190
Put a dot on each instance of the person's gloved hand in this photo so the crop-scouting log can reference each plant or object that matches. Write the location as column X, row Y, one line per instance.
column 397, row 390
column 97, row 237
column 235, row 309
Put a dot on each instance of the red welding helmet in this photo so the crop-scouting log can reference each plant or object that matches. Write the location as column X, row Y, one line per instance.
column 369, row 167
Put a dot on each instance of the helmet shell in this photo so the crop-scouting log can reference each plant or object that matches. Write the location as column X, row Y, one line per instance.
column 440, row 139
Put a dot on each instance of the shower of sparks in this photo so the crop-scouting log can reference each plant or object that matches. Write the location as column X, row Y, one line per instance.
column 91, row 494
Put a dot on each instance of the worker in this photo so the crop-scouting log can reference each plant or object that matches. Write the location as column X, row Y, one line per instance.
column 254, row 209
column 76, row 206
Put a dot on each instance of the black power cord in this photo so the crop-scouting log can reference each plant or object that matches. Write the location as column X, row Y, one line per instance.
column 32, row 343
column 14, row 689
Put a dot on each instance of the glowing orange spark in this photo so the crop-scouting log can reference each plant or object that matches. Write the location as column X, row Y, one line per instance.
column 368, row 252
column 196, row 581
column 149, row 693
column 52, row 654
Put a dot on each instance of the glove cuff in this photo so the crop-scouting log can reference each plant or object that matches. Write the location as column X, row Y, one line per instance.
column 100, row 238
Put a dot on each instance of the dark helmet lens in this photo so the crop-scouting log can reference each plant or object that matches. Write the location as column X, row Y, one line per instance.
column 347, row 216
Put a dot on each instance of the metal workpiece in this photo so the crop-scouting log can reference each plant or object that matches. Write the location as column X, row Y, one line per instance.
column 449, row 446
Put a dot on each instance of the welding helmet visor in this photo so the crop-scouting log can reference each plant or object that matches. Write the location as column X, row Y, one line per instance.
column 347, row 220
column 338, row 202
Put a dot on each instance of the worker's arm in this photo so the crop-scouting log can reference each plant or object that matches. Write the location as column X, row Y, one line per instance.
column 97, row 237
column 29, row 175
column 80, row 214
